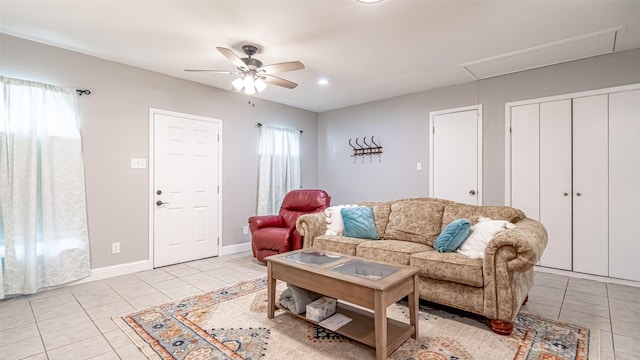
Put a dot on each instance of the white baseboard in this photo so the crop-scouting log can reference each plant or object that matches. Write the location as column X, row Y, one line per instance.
column 237, row 248
column 115, row 270
column 586, row 276
column 133, row 267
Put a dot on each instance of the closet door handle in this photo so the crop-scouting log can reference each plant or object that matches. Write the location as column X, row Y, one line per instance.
column 566, row 194
column 578, row 194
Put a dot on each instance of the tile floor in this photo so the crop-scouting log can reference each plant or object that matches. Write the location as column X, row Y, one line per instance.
column 74, row 322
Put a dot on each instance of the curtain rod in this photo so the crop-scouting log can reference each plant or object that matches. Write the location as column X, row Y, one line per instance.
column 83, row 92
column 260, row 124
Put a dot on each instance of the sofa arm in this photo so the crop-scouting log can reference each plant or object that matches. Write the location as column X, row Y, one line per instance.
column 508, row 268
column 259, row 222
column 310, row 226
column 525, row 244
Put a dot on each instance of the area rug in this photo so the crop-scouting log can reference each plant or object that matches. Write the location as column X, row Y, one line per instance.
column 232, row 323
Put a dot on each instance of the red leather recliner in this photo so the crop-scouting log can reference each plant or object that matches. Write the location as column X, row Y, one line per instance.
column 275, row 234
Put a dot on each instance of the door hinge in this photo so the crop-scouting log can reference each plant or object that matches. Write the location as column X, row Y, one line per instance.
column 434, row 129
column 218, row 189
column 510, row 129
column 218, row 137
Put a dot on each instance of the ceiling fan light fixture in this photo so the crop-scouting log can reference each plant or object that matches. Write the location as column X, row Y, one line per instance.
column 248, row 82
column 238, row 84
column 260, row 84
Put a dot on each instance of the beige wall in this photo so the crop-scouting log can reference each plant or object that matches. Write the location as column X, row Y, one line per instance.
column 115, row 123
column 401, row 126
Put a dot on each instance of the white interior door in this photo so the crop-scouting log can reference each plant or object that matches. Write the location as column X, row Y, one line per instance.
column 456, row 154
column 590, row 185
column 624, row 180
column 555, row 182
column 186, row 199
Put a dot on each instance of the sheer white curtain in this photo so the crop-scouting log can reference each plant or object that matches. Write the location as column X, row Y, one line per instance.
column 278, row 167
column 43, row 220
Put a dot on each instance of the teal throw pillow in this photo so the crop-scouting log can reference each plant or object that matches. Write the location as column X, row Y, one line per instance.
column 452, row 236
column 359, row 223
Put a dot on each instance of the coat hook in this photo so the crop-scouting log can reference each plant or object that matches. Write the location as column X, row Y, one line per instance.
column 374, row 143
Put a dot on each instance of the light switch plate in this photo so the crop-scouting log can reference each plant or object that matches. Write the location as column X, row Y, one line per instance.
column 137, row 163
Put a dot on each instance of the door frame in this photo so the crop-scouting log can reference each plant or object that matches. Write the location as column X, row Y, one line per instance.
column 507, row 123
column 432, row 114
column 152, row 113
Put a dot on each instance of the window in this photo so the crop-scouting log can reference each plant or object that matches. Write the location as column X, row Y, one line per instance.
column 278, row 167
column 43, row 224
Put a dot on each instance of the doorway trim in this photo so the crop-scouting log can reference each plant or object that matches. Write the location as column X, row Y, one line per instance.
column 432, row 115
column 150, row 168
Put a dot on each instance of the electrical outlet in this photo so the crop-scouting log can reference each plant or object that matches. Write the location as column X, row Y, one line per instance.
column 245, row 230
column 115, row 248
column 419, row 166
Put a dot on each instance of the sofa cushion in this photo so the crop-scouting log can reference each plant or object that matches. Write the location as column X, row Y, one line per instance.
column 481, row 234
column 335, row 226
column 452, row 236
column 452, row 267
column 414, row 221
column 473, row 213
column 393, row 251
column 381, row 211
column 359, row 223
column 340, row 244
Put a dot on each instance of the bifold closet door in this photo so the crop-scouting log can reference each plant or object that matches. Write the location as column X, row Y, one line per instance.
column 541, row 173
column 525, row 159
column 624, row 184
column 555, row 182
column 590, row 185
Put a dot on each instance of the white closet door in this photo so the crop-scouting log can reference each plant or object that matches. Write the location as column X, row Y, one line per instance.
column 590, row 185
column 555, row 182
column 525, row 159
column 624, row 180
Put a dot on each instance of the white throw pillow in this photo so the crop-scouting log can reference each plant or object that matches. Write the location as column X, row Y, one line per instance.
column 335, row 224
column 481, row 234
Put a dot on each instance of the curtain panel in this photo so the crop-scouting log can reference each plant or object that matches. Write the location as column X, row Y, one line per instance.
column 278, row 167
column 43, row 221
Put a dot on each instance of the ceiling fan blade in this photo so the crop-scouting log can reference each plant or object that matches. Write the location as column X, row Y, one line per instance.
column 279, row 81
column 231, row 56
column 282, row 67
column 211, row 71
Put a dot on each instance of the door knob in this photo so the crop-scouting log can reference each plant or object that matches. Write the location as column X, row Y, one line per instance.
column 566, row 194
column 578, row 194
column 160, row 203
column 472, row 192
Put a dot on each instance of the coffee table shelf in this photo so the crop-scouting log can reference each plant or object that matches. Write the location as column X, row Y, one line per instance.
column 361, row 328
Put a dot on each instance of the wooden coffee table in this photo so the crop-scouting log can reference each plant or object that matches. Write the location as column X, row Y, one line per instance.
column 370, row 284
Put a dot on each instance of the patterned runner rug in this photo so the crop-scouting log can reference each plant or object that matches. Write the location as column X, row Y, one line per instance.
column 231, row 323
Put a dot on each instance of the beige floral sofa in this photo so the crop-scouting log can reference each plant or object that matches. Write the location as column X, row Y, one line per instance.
column 495, row 287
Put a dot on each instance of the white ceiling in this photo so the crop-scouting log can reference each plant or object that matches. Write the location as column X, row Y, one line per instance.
column 367, row 52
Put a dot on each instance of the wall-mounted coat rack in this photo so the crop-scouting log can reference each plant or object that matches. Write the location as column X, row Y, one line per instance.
column 366, row 149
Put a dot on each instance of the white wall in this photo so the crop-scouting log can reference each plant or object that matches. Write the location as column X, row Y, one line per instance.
column 401, row 125
column 115, row 122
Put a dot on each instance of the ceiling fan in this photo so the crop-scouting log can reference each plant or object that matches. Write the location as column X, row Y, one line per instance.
column 254, row 76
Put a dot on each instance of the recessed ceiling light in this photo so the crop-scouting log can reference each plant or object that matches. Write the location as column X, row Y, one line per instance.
column 323, row 82
column 368, row 1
